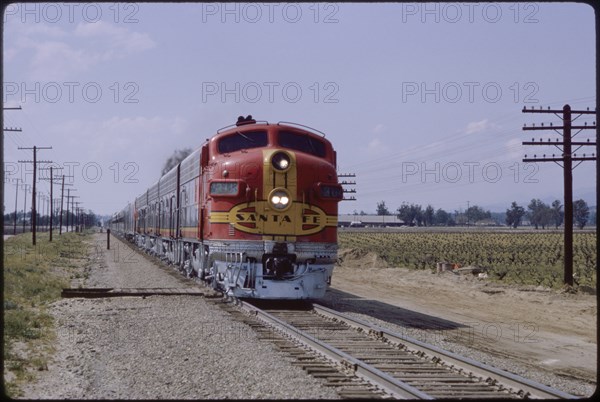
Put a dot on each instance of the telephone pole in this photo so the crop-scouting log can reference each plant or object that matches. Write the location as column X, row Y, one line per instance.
column 348, row 183
column 73, row 212
column 72, row 197
column 25, row 185
column 566, row 157
column 38, row 207
column 16, row 198
column 62, row 196
column 2, row 171
column 33, row 209
column 51, row 168
column 77, row 220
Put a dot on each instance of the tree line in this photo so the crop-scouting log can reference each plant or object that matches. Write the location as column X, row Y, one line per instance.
column 88, row 218
column 538, row 213
column 541, row 214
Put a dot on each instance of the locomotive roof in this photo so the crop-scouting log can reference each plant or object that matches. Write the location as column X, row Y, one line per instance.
column 248, row 125
column 248, row 120
column 265, row 125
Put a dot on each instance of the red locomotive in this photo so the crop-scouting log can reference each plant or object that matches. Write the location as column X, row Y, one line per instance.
column 253, row 211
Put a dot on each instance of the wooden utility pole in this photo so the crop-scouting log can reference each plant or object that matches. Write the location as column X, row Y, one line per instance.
column 24, row 204
column 68, row 195
column 33, row 206
column 51, row 168
column 567, row 157
column 70, row 218
column 2, row 172
column 348, row 183
column 62, row 196
column 77, row 216
column 39, row 207
column 16, row 198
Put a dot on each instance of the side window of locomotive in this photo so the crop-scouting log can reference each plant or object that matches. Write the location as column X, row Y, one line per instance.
column 302, row 143
column 243, row 140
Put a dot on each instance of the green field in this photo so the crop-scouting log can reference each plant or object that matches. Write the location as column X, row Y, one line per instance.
column 529, row 258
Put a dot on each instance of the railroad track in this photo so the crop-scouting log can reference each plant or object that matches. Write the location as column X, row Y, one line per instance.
column 374, row 362
column 346, row 383
column 360, row 359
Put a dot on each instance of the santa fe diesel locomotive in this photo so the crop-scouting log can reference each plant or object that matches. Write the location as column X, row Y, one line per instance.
column 253, row 212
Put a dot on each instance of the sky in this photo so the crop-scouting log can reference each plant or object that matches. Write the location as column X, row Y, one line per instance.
column 422, row 101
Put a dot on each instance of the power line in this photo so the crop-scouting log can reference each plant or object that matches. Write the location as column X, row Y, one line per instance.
column 33, row 206
column 567, row 157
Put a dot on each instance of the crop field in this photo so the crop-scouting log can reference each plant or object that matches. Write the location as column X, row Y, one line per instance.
column 528, row 258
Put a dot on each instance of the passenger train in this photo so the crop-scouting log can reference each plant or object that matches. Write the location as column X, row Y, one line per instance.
column 253, row 211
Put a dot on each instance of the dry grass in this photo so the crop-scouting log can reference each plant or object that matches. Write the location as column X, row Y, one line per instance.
column 34, row 278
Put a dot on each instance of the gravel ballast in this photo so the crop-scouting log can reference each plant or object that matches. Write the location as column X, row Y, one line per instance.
column 160, row 347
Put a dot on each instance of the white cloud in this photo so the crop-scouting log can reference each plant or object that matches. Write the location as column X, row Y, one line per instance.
column 127, row 139
column 375, row 146
column 55, row 54
column 57, row 60
column 379, row 128
column 514, row 148
column 46, row 30
column 118, row 155
column 477, row 126
column 120, row 38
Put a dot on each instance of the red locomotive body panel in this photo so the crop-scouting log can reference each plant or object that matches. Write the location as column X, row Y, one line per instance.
column 240, row 181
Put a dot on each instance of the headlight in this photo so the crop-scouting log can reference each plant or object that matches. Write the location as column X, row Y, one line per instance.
column 279, row 199
column 281, row 161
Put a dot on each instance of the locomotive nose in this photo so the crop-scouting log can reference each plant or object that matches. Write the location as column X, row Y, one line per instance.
column 280, row 185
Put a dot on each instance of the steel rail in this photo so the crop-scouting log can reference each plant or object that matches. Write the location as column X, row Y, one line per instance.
column 389, row 384
column 509, row 380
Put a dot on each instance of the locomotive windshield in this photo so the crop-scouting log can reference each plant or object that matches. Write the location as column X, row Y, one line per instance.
column 243, row 140
column 302, row 143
